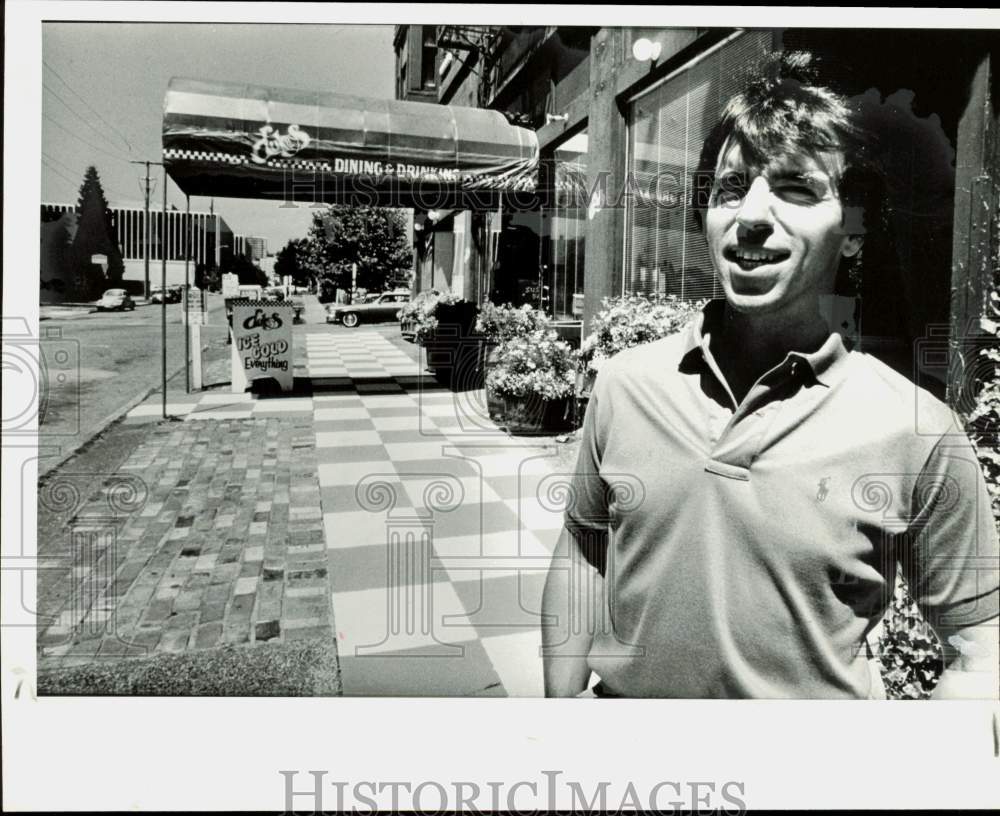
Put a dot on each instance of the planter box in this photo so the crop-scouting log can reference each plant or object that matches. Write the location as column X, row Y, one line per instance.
column 489, row 356
column 453, row 350
column 532, row 415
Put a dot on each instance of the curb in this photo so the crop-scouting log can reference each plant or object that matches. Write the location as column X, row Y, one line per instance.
column 107, row 422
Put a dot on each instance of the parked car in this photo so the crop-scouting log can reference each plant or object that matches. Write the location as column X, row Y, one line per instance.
column 273, row 293
column 117, row 299
column 173, row 294
column 407, row 328
column 386, row 307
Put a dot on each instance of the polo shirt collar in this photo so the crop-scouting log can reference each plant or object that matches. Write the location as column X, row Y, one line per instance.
column 825, row 362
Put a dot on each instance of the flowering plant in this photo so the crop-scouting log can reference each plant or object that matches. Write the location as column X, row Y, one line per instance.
column 537, row 363
column 422, row 313
column 499, row 324
column 632, row 320
column 983, row 422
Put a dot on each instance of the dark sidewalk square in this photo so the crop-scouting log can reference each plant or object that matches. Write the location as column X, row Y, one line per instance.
column 421, row 672
column 333, row 425
column 426, row 432
column 344, row 498
column 348, row 453
column 405, row 409
column 501, row 604
column 474, row 519
column 368, row 567
column 443, row 465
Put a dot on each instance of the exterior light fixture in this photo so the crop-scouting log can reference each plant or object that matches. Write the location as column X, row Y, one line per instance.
column 646, row 50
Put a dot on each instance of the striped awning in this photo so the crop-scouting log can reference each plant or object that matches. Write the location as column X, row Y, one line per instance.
column 249, row 141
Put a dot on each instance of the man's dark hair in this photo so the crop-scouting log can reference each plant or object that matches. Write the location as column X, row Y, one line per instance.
column 784, row 110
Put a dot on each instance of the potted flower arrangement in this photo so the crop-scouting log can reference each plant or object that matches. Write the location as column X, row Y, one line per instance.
column 414, row 316
column 443, row 326
column 497, row 325
column 534, row 377
column 627, row 321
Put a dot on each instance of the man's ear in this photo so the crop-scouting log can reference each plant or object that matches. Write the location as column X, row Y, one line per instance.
column 852, row 245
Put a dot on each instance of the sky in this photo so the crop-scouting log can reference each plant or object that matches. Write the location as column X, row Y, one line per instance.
column 103, row 86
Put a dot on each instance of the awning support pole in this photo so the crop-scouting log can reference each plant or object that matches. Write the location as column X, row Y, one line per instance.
column 187, row 293
column 163, row 290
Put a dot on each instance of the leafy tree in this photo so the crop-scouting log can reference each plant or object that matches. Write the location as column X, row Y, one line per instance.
column 293, row 259
column 374, row 238
column 248, row 272
column 95, row 234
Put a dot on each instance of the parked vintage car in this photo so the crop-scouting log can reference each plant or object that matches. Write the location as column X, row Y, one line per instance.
column 173, row 294
column 117, row 300
column 386, row 307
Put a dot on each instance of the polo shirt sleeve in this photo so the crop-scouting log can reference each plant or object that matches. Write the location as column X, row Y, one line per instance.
column 586, row 516
column 952, row 564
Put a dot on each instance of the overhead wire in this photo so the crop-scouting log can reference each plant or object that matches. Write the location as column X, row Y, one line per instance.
column 60, row 163
column 91, row 107
column 57, row 171
column 82, row 118
column 107, row 188
column 118, row 156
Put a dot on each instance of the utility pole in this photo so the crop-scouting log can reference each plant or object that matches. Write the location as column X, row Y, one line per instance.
column 163, row 274
column 145, row 254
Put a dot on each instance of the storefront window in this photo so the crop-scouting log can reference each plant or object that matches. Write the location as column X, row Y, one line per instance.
column 665, row 251
column 567, row 222
column 428, row 58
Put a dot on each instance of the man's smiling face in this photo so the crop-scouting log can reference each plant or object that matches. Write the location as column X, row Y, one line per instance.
column 776, row 234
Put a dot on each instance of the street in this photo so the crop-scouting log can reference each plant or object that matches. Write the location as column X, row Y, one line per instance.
column 97, row 363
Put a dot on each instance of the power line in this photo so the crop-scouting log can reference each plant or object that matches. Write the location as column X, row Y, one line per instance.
column 57, row 161
column 106, row 187
column 60, row 163
column 85, row 102
column 79, row 116
column 119, row 157
column 58, row 172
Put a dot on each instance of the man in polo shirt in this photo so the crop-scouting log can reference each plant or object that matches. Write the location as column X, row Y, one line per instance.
column 746, row 489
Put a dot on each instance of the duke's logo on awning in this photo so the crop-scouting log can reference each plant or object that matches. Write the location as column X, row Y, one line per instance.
column 273, row 143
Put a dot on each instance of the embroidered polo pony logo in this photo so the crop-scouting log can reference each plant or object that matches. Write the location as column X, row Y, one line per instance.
column 823, row 489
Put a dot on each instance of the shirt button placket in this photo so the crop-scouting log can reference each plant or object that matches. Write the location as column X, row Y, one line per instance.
column 716, row 425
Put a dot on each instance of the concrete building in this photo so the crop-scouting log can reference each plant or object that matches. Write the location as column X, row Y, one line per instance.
column 618, row 107
column 209, row 236
column 253, row 247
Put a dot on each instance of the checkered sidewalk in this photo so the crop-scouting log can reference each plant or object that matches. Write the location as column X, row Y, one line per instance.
column 439, row 527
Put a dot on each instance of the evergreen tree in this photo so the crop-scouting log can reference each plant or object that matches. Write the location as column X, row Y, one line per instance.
column 95, row 235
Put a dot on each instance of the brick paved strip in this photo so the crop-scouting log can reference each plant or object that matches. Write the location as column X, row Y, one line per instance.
column 227, row 549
